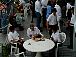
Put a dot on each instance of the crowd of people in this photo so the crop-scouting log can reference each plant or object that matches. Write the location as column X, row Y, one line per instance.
column 50, row 13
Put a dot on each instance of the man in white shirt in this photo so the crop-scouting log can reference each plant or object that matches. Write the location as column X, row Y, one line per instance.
column 13, row 36
column 73, row 16
column 44, row 9
column 58, row 8
column 38, row 6
column 56, row 38
column 68, row 6
column 38, row 13
column 32, row 31
column 72, row 19
column 44, row 3
column 71, row 28
column 52, row 21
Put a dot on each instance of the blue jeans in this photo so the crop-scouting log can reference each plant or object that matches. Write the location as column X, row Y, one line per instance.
column 38, row 21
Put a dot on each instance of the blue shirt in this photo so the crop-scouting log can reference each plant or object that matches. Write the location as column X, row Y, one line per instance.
column 48, row 11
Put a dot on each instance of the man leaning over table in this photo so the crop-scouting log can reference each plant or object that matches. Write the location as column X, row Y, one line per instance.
column 33, row 30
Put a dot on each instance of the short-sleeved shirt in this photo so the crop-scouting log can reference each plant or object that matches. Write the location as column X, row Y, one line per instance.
column 38, row 6
column 52, row 19
column 30, row 32
column 72, row 19
column 44, row 3
column 58, row 8
column 13, row 36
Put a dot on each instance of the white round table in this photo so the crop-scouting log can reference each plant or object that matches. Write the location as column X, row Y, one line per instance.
column 39, row 46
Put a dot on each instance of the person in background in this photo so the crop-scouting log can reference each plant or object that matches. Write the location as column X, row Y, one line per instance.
column 52, row 21
column 33, row 30
column 12, row 20
column 73, row 16
column 71, row 28
column 68, row 6
column 44, row 9
column 38, row 13
column 69, row 14
column 58, row 13
column 48, row 9
column 32, row 7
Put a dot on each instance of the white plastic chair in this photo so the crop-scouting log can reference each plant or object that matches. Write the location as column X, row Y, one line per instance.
column 17, row 55
column 63, row 38
column 12, row 47
column 15, row 48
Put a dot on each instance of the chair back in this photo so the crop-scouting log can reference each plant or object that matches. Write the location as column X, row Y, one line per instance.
column 17, row 55
column 62, row 37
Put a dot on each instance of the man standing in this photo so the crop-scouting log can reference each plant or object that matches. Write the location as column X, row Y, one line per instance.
column 44, row 9
column 58, row 8
column 52, row 21
column 38, row 13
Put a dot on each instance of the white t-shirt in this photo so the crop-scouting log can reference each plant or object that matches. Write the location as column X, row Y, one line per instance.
column 38, row 6
column 13, row 36
column 30, row 32
column 58, row 8
column 44, row 3
column 52, row 19
column 72, row 19
column 68, row 6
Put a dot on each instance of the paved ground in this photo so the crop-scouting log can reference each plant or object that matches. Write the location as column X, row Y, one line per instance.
column 63, row 51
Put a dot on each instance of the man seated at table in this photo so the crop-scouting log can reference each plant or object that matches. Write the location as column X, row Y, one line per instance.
column 13, row 37
column 55, row 35
column 56, row 38
column 33, row 31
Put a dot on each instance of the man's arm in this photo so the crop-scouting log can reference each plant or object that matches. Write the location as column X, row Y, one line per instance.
column 10, row 39
column 38, row 32
column 28, row 33
column 48, row 19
